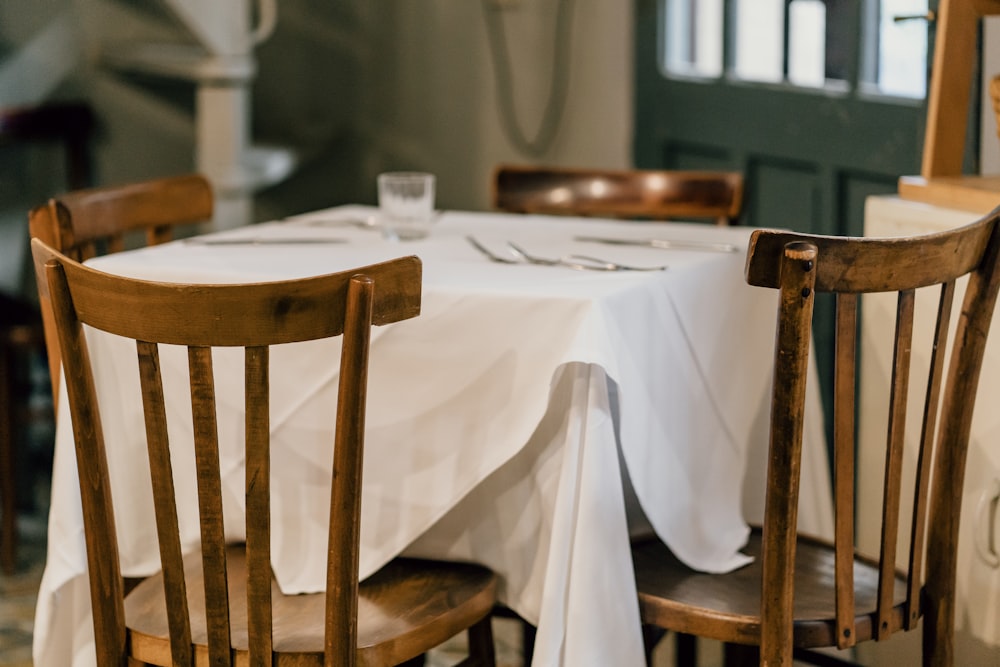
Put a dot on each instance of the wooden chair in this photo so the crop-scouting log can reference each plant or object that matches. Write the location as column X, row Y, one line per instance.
column 222, row 605
column 637, row 194
column 86, row 223
column 69, row 126
column 654, row 195
column 801, row 592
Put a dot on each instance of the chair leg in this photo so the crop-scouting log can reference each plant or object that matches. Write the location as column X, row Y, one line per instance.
column 686, row 646
column 651, row 637
column 8, row 490
column 528, row 632
column 482, row 650
column 687, row 650
column 740, row 655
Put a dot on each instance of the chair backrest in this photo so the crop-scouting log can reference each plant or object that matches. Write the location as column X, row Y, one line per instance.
column 201, row 317
column 85, row 223
column 640, row 194
column 800, row 266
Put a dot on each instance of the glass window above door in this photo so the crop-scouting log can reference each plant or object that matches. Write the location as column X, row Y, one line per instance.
column 692, row 31
column 902, row 38
column 877, row 47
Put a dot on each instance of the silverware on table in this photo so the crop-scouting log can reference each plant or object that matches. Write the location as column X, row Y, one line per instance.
column 489, row 254
column 580, row 262
column 369, row 222
column 669, row 244
column 577, row 262
column 197, row 240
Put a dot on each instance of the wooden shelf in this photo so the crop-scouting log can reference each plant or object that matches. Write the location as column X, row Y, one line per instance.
column 978, row 194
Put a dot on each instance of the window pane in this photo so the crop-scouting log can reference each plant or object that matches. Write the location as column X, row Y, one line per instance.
column 807, row 42
column 823, row 42
column 902, row 49
column 693, row 43
column 760, row 28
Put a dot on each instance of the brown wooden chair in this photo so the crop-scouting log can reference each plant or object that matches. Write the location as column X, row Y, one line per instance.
column 86, row 223
column 68, row 126
column 632, row 194
column 641, row 194
column 803, row 593
column 222, row 604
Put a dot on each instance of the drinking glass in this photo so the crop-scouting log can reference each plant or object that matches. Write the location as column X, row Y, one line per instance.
column 406, row 204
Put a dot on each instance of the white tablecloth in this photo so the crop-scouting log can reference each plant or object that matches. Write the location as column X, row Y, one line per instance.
column 497, row 422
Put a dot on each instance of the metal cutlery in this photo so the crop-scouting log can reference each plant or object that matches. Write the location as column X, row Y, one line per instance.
column 197, row 240
column 532, row 259
column 370, row 222
column 577, row 262
column 489, row 254
column 607, row 265
column 580, row 262
column 669, row 244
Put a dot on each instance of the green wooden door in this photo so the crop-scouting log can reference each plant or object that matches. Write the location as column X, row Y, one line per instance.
column 811, row 153
column 812, row 145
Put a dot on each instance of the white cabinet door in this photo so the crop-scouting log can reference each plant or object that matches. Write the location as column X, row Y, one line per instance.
column 978, row 619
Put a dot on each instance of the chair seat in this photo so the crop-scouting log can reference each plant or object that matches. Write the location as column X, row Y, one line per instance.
column 726, row 607
column 404, row 609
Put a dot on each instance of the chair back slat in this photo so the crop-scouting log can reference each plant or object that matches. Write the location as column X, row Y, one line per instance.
column 104, row 570
column 619, row 193
column 213, row 534
column 948, row 474
column 158, row 234
column 923, row 584
column 918, row 523
column 893, row 484
column 845, row 365
column 796, row 298
column 164, row 502
column 87, row 251
column 116, row 243
column 258, row 503
column 202, row 317
column 345, row 526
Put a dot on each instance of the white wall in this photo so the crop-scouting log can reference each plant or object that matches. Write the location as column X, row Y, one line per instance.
column 361, row 86
column 418, row 86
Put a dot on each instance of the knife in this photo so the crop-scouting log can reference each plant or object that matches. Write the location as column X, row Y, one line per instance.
column 263, row 241
column 665, row 243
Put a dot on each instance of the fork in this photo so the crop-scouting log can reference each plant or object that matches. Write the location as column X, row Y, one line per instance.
column 489, row 254
column 580, row 262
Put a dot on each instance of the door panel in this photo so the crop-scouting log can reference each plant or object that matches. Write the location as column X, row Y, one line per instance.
column 739, row 126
